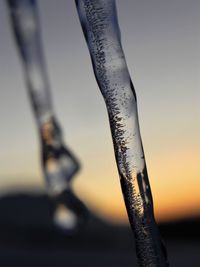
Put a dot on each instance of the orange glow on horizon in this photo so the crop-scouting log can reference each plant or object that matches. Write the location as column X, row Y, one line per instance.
column 174, row 181
column 175, row 193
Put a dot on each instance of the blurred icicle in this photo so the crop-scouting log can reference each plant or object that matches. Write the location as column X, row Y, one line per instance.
column 58, row 162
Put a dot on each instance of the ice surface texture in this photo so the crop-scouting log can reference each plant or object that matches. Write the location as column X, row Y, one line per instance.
column 100, row 27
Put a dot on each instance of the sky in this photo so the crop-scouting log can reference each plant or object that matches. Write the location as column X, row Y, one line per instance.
column 161, row 40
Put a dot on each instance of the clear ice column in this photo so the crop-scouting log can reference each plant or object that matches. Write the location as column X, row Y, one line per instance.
column 100, row 27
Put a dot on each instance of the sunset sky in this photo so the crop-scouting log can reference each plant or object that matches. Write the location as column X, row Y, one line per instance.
column 161, row 40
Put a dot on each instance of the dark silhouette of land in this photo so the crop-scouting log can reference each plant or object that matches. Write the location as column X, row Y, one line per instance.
column 28, row 238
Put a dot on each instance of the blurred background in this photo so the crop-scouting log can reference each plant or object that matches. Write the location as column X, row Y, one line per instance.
column 161, row 40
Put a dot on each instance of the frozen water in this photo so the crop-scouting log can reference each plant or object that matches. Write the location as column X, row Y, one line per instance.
column 101, row 30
